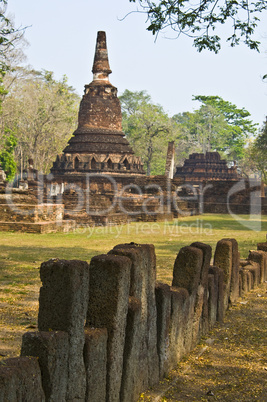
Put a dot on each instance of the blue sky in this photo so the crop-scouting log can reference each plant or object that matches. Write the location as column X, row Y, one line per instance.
column 62, row 35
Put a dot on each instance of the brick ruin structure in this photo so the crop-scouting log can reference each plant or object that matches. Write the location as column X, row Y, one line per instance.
column 209, row 166
column 99, row 144
column 24, row 208
column 98, row 180
column 218, row 188
column 107, row 331
column 99, row 161
column 170, row 160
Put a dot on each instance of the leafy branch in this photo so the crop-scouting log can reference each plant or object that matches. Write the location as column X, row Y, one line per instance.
column 198, row 20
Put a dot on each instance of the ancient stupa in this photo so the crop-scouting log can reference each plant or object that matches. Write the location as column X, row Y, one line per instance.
column 99, row 144
column 208, row 166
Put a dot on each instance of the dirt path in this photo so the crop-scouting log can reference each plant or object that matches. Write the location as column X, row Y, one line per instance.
column 230, row 364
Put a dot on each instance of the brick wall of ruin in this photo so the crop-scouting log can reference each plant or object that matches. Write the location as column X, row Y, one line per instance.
column 232, row 196
column 122, row 199
column 240, row 197
column 107, row 331
column 125, row 199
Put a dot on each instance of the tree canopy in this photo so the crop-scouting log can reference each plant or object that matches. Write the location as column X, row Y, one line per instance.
column 147, row 128
column 218, row 125
column 42, row 112
column 9, row 37
column 259, row 153
column 204, row 129
column 199, row 19
column 8, row 143
column 39, row 113
column 237, row 125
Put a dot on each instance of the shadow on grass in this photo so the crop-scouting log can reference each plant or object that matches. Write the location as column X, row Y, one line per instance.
column 40, row 254
column 20, row 265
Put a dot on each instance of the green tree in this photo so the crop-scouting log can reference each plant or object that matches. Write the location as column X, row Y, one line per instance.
column 131, row 101
column 259, row 153
column 184, row 135
column 43, row 113
column 218, row 125
column 236, row 129
column 11, row 39
column 147, row 128
column 7, row 161
column 203, row 130
column 210, row 128
column 10, row 36
column 199, row 20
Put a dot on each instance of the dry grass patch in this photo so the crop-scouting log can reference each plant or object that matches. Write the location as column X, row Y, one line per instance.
column 21, row 255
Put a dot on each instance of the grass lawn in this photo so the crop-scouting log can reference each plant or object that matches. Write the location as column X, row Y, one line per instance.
column 22, row 253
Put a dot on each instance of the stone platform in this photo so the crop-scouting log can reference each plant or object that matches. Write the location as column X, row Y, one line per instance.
column 32, row 218
column 39, row 227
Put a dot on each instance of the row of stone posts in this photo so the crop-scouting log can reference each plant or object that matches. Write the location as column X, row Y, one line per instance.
column 107, row 331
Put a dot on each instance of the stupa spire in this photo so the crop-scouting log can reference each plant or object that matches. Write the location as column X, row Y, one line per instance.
column 101, row 69
column 99, row 144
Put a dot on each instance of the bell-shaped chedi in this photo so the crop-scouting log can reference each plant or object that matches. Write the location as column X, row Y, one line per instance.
column 209, row 166
column 99, row 144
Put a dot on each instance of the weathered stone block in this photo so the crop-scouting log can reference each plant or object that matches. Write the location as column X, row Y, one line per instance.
column 20, row 380
column 254, row 269
column 108, row 308
column 219, row 284
column 203, row 301
column 187, row 269
column 234, row 286
column 52, row 351
column 63, row 296
column 212, row 300
column 250, row 280
column 189, row 323
column 187, row 275
column 241, row 291
column 179, row 299
column 199, row 315
column 143, row 277
column 32, row 213
column 260, row 257
column 63, row 305
column 204, row 319
column 244, row 279
column 138, row 276
column 149, row 257
column 163, row 300
column 223, row 258
column 262, row 246
column 207, row 254
column 131, row 384
column 95, row 358
column 138, row 292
